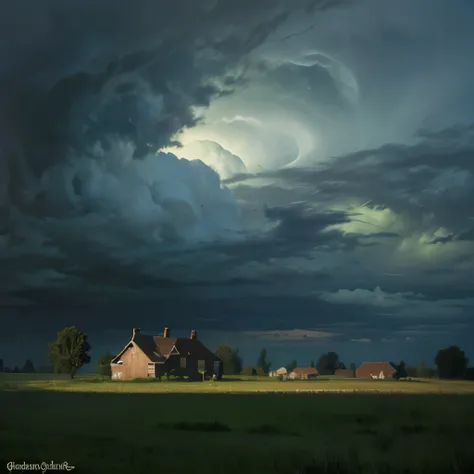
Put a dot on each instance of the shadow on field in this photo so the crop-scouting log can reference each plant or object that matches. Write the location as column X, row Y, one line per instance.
column 291, row 433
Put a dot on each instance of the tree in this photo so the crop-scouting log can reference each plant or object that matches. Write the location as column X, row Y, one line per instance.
column 28, row 368
column 70, row 351
column 231, row 361
column 312, row 364
column 16, row 370
column 103, row 367
column 291, row 366
column 262, row 362
column 329, row 363
column 426, row 372
column 412, row 371
column 451, row 363
column 401, row 372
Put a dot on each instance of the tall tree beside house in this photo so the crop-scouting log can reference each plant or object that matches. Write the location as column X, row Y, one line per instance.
column 1, row 365
column 401, row 372
column 70, row 351
column 231, row 361
column 291, row 366
column 262, row 362
column 312, row 364
column 329, row 363
column 451, row 363
column 103, row 367
column 28, row 367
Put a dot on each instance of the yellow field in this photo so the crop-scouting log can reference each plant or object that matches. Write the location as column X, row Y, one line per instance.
column 92, row 383
column 244, row 425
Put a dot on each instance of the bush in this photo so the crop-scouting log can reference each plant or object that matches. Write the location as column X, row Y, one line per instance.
column 260, row 371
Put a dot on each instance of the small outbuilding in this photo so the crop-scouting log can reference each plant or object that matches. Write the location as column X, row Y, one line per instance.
column 276, row 373
column 303, row 373
column 376, row 370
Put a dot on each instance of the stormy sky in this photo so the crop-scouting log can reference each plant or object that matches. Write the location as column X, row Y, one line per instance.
column 294, row 175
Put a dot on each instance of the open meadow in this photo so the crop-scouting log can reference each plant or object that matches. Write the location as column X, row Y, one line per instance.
column 244, row 425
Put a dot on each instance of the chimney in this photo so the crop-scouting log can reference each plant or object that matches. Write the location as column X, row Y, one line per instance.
column 194, row 335
column 166, row 332
column 135, row 332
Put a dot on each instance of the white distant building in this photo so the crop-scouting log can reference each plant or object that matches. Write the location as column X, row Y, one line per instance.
column 276, row 373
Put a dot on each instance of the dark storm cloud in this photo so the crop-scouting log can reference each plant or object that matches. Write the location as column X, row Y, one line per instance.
column 73, row 75
column 371, row 241
column 434, row 176
column 88, row 89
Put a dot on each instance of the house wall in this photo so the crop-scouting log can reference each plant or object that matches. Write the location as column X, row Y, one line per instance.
column 135, row 365
column 191, row 369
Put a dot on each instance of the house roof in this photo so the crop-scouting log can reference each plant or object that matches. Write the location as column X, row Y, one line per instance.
column 305, row 370
column 376, row 368
column 159, row 348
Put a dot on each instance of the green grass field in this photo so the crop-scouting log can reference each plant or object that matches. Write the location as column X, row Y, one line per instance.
column 247, row 425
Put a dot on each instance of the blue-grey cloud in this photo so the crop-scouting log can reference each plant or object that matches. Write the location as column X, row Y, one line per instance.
column 310, row 170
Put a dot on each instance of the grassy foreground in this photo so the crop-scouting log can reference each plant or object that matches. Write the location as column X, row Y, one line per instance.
column 238, row 426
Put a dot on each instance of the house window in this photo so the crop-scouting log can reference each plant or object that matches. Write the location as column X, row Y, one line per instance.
column 151, row 370
column 201, row 365
column 182, row 362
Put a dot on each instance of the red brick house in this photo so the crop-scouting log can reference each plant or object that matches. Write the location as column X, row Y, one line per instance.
column 147, row 356
column 376, row 370
column 304, row 373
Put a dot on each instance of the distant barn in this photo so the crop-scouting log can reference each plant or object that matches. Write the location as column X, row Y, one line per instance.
column 304, row 373
column 147, row 356
column 376, row 370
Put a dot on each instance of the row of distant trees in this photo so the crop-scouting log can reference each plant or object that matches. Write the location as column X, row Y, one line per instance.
column 67, row 354
column 70, row 351
column 28, row 368
column 451, row 363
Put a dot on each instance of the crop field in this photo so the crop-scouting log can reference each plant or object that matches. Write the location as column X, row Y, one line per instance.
column 244, row 425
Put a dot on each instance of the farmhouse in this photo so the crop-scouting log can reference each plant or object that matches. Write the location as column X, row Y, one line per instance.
column 376, row 370
column 304, row 373
column 147, row 356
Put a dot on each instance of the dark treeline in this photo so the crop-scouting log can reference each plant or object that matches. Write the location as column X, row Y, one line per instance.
column 70, row 351
column 450, row 363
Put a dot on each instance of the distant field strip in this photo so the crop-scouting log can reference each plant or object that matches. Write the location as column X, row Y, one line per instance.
column 232, row 385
